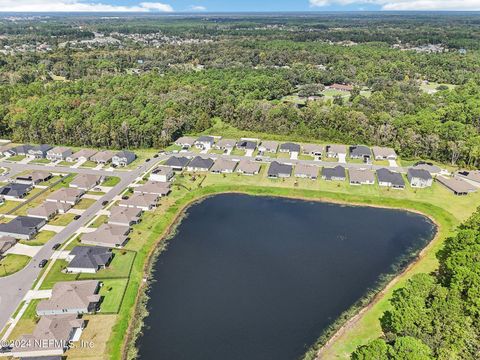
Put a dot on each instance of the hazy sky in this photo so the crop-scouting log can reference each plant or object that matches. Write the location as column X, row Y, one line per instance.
column 234, row 5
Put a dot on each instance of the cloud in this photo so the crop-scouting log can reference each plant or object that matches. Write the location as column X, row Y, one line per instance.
column 197, row 8
column 78, row 6
column 412, row 5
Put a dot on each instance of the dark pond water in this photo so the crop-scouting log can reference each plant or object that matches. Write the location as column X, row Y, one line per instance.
column 259, row 278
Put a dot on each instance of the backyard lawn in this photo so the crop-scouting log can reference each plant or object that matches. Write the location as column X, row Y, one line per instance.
column 12, row 263
column 112, row 292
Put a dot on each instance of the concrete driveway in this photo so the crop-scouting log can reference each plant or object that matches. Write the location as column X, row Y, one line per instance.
column 21, row 249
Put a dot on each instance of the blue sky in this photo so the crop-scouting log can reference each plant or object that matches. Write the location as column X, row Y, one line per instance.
column 167, row 6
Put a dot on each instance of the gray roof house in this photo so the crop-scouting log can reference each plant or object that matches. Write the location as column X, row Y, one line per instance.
column 85, row 181
column 153, row 187
column 472, row 177
column 268, row 146
column 384, row 153
column 34, row 177
column 279, row 170
column 205, row 142
column 124, row 216
column 15, row 191
column 142, row 201
column 431, row 168
column 185, row 142
column 71, row 297
column 46, row 211
column 82, row 155
column 39, row 151
column 88, row 259
column 58, row 153
column 390, row 178
column 223, row 166
column 248, row 167
column 456, row 185
column 361, row 176
column 313, row 149
column 361, row 152
column 107, row 235
column 200, row 164
column 419, row 178
column 246, row 145
column 290, row 148
column 177, row 162
column 123, row 158
column 51, row 337
column 18, row 150
column 162, row 174
column 306, row 171
column 335, row 150
column 225, row 144
column 102, row 157
column 336, row 173
column 22, row 227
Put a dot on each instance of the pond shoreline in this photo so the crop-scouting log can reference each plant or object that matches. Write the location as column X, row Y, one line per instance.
column 134, row 328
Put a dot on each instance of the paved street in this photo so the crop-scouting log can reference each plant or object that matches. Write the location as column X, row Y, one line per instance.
column 13, row 288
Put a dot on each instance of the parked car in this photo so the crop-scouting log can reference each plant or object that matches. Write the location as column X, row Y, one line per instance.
column 43, row 263
column 56, row 246
column 125, row 197
column 147, row 160
column 104, row 203
column 155, row 156
column 76, row 217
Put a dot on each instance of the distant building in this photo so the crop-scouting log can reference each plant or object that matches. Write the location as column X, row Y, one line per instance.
column 279, row 170
column 336, row 173
column 162, row 174
column 361, row 177
column 123, row 158
column 419, row 178
column 390, row 179
column 58, row 153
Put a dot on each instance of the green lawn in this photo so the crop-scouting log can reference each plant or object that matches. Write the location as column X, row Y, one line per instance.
column 62, row 219
column 111, row 181
column 55, row 275
column 8, row 205
column 40, row 239
column 31, row 311
column 84, row 204
column 102, row 219
column 40, row 161
column 89, row 164
column 113, row 291
column 12, row 263
column 16, row 158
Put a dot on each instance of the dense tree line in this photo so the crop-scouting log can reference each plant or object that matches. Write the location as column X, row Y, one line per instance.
column 436, row 316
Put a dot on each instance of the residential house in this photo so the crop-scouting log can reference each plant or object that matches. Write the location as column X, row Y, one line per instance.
column 71, row 297
column 361, row 176
column 177, row 163
column 33, row 178
column 225, row 144
column 123, row 158
column 6, row 243
column 51, row 337
column 39, row 152
column 185, row 142
column 161, row 174
column 419, row 178
column 46, row 211
column 315, row 150
column 102, row 157
column 306, row 171
column 85, row 182
column 15, row 191
column 390, row 178
column 472, row 177
column 223, row 166
column 22, row 227
column 247, row 145
column 82, row 155
column 456, row 185
column 341, row 87
column 205, row 142
column 268, row 146
column 124, row 216
column 336, row 173
column 200, row 164
column 336, row 150
column 88, row 259
column 107, row 235
column 431, row 168
column 141, row 201
column 247, row 167
column 153, row 187
column 58, row 153
column 384, row 153
column 20, row 150
column 66, row 195
column 361, row 152
column 290, row 148
column 279, row 170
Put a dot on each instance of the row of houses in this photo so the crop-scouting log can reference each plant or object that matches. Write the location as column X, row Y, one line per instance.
column 219, row 166
column 249, row 145
column 61, row 153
